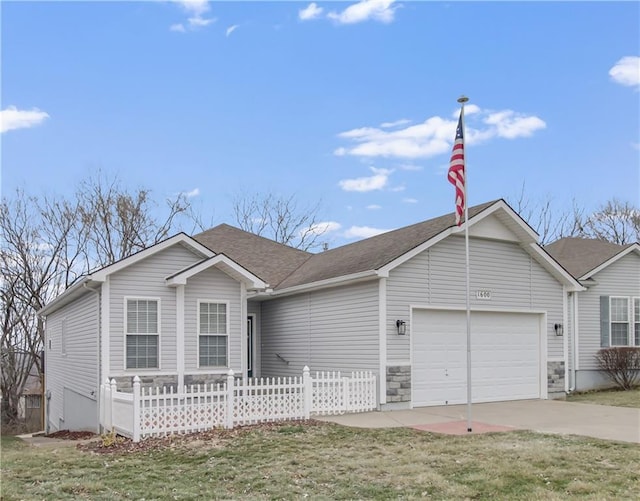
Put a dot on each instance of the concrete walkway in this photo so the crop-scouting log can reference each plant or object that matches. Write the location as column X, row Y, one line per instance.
column 547, row 416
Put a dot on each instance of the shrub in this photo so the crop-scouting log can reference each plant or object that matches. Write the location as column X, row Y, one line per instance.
column 621, row 365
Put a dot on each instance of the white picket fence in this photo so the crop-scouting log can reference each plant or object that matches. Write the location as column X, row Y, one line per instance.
column 153, row 412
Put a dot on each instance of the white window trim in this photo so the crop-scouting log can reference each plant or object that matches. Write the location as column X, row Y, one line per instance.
column 227, row 305
column 126, row 333
column 631, row 338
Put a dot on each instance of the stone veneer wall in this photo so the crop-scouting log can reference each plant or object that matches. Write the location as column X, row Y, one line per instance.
column 398, row 383
column 209, row 379
column 555, row 378
column 125, row 383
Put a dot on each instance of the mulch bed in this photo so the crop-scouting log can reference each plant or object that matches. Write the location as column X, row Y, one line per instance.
column 71, row 435
column 214, row 438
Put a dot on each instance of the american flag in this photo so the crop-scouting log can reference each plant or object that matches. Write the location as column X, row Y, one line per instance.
column 456, row 171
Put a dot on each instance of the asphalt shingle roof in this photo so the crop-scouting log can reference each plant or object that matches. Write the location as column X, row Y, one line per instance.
column 267, row 259
column 282, row 266
column 581, row 255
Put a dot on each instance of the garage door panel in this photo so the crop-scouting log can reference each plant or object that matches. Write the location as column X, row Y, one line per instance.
column 505, row 351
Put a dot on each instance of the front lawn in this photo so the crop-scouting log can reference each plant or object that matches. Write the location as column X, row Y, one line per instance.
column 617, row 398
column 328, row 461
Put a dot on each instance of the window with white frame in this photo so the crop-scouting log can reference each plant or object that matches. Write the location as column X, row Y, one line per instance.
column 142, row 333
column 619, row 321
column 213, row 339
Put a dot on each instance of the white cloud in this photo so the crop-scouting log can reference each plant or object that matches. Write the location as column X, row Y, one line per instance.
column 363, row 232
column 400, row 187
column 435, row 135
column 469, row 109
column 410, row 200
column 376, row 182
column 322, row 228
column 626, row 71
column 12, row 118
column 312, row 11
column 509, row 124
column 378, row 10
column 196, row 11
column 374, row 207
column 397, row 123
column 231, row 29
column 193, row 193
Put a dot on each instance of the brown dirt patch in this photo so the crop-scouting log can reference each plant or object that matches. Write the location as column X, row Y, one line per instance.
column 214, row 438
column 71, row 435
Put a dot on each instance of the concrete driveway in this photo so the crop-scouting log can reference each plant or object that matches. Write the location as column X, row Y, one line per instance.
column 547, row 416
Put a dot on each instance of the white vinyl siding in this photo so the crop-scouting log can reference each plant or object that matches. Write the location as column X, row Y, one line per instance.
column 212, row 334
column 331, row 329
column 436, row 277
column 620, row 279
column 146, row 279
column 212, row 286
column 77, row 370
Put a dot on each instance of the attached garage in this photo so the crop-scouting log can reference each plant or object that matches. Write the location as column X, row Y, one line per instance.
column 506, row 350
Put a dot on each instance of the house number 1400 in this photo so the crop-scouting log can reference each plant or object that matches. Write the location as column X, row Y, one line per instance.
column 483, row 294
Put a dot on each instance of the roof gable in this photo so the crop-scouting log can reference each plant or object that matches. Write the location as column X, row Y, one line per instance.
column 269, row 260
column 584, row 257
column 373, row 253
column 223, row 263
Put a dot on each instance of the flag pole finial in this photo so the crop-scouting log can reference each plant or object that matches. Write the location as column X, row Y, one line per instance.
column 463, row 99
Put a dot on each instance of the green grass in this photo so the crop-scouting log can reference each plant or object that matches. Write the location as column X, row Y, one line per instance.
column 617, row 398
column 328, row 461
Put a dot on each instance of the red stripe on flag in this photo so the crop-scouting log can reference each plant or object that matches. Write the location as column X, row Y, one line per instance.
column 456, row 171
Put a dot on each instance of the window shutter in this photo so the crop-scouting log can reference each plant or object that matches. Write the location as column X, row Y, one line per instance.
column 604, row 321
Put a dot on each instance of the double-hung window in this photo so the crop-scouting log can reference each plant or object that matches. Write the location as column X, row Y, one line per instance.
column 624, row 321
column 213, row 338
column 619, row 321
column 142, row 333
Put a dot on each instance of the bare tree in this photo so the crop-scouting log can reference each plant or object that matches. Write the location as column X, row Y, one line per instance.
column 280, row 218
column 119, row 223
column 547, row 221
column 615, row 221
column 47, row 243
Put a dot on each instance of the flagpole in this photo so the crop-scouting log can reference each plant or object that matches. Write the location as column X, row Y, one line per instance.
column 462, row 100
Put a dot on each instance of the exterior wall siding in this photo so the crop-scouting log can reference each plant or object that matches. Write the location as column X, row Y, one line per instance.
column 621, row 278
column 77, row 369
column 436, row 277
column 331, row 329
column 147, row 279
column 213, row 285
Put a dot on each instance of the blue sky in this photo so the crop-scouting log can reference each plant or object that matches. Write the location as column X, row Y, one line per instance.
column 349, row 103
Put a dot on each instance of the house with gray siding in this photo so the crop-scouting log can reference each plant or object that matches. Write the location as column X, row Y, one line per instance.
column 607, row 312
column 190, row 308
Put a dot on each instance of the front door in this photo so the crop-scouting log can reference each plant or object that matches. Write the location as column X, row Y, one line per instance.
column 250, row 319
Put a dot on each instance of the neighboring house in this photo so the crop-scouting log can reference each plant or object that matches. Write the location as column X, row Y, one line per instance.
column 189, row 309
column 607, row 312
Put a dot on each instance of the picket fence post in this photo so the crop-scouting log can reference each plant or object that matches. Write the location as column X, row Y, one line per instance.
column 308, row 391
column 106, row 405
column 230, row 399
column 136, row 409
column 114, row 388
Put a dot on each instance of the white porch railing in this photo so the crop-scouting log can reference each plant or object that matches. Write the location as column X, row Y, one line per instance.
column 152, row 412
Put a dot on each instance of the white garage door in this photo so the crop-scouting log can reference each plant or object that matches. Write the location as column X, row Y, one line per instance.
column 505, row 357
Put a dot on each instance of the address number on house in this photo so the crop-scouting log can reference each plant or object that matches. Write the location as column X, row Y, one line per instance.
column 483, row 294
